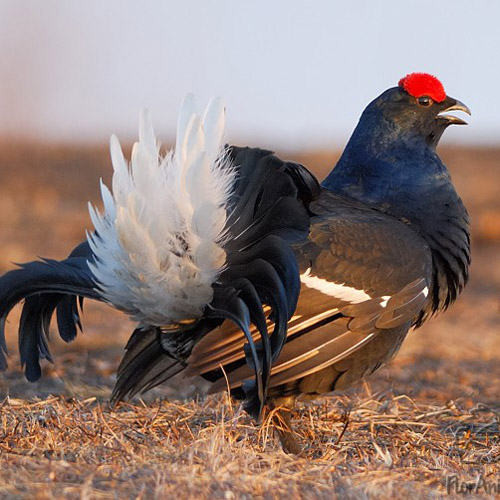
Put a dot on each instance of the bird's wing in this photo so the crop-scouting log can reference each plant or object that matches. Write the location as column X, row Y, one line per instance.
column 361, row 273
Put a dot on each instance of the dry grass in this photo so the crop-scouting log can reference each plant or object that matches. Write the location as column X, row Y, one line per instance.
column 374, row 445
column 431, row 414
column 79, row 448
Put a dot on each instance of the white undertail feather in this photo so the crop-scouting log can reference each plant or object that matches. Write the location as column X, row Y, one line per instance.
column 159, row 245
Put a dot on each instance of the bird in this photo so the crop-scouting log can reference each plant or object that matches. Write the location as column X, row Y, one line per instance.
column 244, row 269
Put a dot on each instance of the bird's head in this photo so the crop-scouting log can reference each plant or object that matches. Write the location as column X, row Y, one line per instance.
column 418, row 107
column 394, row 142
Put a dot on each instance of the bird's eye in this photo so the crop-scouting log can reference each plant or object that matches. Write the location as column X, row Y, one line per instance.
column 424, row 101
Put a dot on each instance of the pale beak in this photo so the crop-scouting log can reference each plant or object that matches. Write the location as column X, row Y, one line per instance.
column 455, row 106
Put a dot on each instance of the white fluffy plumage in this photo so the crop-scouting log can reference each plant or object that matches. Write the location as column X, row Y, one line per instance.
column 159, row 245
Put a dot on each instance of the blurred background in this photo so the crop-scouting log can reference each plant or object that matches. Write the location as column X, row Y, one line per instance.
column 295, row 75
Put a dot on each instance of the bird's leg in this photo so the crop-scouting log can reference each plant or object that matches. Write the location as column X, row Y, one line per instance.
column 281, row 412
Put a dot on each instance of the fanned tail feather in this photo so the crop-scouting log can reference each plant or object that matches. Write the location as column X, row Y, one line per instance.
column 159, row 243
column 202, row 233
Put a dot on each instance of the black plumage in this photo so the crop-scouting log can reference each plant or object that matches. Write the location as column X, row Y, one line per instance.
column 321, row 283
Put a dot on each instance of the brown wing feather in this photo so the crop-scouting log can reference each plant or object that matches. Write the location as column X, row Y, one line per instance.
column 224, row 345
column 349, row 246
column 309, row 350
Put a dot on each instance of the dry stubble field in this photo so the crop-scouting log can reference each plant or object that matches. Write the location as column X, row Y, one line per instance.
column 426, row 423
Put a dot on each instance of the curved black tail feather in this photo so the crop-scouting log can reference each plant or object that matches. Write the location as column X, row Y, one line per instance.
column 46, row 285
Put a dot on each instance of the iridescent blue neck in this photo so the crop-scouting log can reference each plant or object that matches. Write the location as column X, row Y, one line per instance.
column 382, row 164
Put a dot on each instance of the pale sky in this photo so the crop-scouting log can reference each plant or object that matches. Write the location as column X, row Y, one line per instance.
column 294, row 74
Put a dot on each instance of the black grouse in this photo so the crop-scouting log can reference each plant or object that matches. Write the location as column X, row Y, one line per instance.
column 241, row 268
